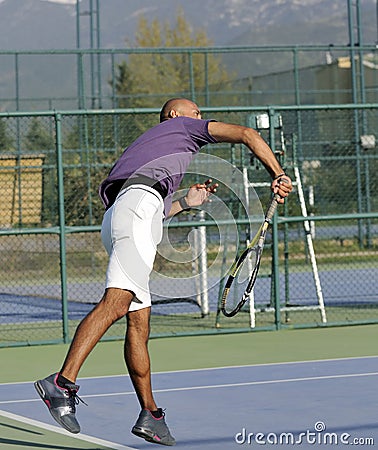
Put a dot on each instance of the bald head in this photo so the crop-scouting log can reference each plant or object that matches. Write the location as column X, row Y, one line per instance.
column 176, row 107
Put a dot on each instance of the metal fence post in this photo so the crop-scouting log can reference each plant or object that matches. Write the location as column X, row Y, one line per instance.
column 62, row 228
column 276, row 273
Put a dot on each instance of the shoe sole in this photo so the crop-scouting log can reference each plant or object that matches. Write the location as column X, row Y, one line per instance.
column 149, row 436
column 41, row 392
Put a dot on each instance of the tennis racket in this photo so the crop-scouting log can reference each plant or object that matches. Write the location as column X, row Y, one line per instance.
column 243, row 272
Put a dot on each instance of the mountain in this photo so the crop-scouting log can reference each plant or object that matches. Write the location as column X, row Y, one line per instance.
column 41, row 24
column 45, row 25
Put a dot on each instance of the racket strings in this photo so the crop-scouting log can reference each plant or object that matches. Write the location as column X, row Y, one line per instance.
column 244, row 271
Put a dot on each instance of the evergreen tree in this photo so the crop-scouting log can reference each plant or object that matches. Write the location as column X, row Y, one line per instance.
column 6, row 142
column 147, row 80
column 37, row 138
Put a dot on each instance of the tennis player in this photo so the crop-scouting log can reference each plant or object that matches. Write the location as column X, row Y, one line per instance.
column 137, row 195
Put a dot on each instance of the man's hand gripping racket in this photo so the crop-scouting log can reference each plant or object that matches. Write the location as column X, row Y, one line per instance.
column 238, row 286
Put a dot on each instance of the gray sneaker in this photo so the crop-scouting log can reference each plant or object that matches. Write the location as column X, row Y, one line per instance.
column 152, row 429
column 61, row 402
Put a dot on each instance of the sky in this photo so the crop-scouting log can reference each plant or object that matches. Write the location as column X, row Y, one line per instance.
column 61, row 1
column 72, row 2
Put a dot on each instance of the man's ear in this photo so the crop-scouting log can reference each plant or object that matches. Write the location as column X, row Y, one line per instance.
column 172, row 113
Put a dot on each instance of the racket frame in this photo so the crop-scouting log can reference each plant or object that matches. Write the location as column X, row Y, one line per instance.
column 257, row 245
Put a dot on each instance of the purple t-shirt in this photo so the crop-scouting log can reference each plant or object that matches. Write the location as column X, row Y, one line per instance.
column 162, row 153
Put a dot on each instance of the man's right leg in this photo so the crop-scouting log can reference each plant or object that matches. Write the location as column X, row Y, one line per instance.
column 113, row 306
column 60, row 397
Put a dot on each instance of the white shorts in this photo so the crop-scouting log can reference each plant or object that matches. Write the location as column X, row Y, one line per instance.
column 131, row 230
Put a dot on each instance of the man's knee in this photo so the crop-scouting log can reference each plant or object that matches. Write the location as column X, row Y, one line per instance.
column 117, row 301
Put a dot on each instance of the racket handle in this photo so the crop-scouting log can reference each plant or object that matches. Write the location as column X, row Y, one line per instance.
column 272, row 208
column 273, row 205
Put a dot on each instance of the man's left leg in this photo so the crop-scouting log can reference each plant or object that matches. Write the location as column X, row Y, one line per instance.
column 151, row 423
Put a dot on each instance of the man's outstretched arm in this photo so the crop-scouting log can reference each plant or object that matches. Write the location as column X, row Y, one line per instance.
column 237, row 134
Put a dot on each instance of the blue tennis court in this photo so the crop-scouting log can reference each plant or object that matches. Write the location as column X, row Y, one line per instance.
column 305, row 404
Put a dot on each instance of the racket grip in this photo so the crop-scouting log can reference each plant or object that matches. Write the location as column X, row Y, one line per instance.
column 273, row 204
column 272, row 208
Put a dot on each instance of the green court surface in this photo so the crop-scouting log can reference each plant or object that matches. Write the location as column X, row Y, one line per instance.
column 179, row 353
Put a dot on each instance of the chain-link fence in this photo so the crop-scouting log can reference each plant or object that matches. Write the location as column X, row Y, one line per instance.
column 244, row 75
column 316, row 272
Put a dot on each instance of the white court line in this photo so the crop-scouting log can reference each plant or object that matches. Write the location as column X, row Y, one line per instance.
column 282, row 363
column 83, row 437
column 248, row 383
column 218, row 386
column 241, row 366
